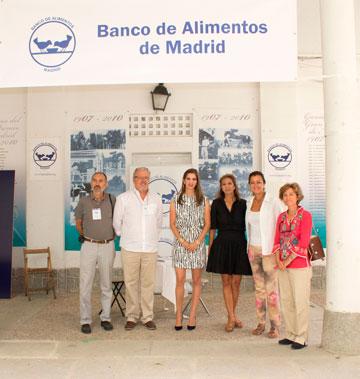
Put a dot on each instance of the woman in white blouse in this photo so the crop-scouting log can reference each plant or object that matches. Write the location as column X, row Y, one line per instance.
column 261, row 215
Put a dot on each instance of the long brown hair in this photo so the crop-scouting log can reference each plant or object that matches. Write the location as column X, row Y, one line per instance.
column 199, row 196
column 221, row 194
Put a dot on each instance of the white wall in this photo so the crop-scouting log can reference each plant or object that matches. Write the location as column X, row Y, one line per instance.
column 47, row 117
column 309, row 31
column 281, row 105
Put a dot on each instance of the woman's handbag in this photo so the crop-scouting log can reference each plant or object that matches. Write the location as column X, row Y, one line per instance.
column 315, row 249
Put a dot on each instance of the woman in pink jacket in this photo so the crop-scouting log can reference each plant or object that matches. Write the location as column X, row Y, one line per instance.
column 292, row 237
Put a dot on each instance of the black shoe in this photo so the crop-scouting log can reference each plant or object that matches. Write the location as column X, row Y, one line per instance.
column 86, row 328
column 285, row 341
column 191, row 327
column 179, row 327
column 106, row 325
column 297, row 345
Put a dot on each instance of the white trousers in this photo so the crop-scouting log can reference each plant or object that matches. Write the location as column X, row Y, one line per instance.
column 295, row 285
column 103, row 255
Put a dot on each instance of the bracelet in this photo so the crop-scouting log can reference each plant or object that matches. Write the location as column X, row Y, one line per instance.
column 197, row 242
column 181, row 240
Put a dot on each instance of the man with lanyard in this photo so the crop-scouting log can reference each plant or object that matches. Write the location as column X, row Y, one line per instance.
column 93, row 216
column 137, row 219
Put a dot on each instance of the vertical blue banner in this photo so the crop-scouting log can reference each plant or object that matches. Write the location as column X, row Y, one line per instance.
column 7, row 183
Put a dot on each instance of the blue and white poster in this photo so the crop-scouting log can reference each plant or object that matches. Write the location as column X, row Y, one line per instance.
column 93, row 149
column 225, row 151
column 225, row 144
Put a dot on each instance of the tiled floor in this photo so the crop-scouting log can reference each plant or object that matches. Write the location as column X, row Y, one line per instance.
column 41, row 339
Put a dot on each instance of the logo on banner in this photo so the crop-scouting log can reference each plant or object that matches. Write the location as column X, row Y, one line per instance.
column 166, row 188
column 44, row 155
column 52, row 42
column 165, row 247
column 279, row 155
column 167, row 241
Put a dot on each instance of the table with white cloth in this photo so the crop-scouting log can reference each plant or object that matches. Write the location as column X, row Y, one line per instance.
column 166, row 279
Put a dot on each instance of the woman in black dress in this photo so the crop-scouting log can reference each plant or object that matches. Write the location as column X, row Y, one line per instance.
column 227, row 252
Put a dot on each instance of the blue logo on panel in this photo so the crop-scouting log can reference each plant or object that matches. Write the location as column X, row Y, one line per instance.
column 279, row 155
column 44, row 155
column 52, row 43
column 166, row 188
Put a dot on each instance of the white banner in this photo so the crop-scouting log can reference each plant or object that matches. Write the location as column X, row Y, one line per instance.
column 140, row 41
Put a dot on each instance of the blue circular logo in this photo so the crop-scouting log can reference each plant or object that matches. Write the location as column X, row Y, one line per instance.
column 52, row 44
column 44, row 155
column 279, row 155
column 165, row 187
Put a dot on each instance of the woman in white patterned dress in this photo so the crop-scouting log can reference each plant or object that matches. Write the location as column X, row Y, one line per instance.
column 189, row 221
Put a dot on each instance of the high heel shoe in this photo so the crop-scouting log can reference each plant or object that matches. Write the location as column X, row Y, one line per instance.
column 179, row 327
column 191, row 327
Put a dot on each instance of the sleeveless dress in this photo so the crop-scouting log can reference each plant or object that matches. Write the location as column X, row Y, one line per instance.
column 190, row 222
column 228, row 253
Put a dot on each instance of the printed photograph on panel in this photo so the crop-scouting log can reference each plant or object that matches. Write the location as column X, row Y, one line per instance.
column 93, row 151
column 225, row 151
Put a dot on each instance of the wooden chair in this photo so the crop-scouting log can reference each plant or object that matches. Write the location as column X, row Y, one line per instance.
column 48, row 271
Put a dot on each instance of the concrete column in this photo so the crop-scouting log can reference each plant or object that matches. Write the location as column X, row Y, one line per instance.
column 45, row 198
column 341, row 331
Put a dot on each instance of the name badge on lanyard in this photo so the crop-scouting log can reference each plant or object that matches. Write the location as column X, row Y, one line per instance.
column 96, row 214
